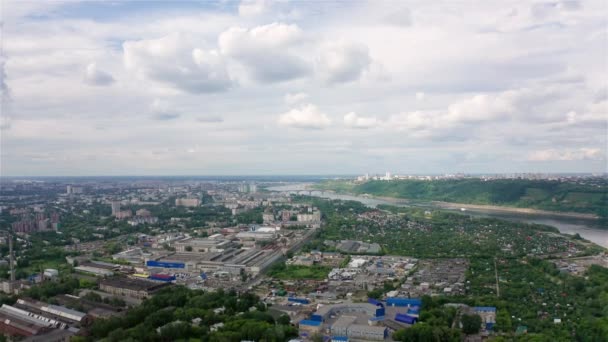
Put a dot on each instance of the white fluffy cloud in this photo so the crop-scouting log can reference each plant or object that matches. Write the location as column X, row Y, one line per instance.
column 526, row 85
column 567, row 154
column 306, row 116
column 352, row 120
column 97, row 77
column 265, row 51
column 176, row 60
column 483, row 107
column 341, row 62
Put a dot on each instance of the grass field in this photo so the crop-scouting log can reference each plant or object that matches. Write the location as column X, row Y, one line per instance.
column 282, row 271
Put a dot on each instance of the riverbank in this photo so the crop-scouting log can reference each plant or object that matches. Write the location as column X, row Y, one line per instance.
column 593, row 229
column 452, row 205
column 449, row 205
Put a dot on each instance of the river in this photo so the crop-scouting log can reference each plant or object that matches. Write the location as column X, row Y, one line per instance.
column 587, row 228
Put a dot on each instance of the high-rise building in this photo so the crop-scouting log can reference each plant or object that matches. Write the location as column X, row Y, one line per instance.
column 253, row 187
column 115, row 207
column 286, row 215
column 72, row 190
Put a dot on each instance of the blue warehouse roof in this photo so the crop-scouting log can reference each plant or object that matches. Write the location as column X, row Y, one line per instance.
column 310, row 323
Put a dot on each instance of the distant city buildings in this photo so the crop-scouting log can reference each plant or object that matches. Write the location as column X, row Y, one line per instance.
column 187, row 202
column 37, row 222
column 73, row 190
column 115, row 207
column 247, row 188
column 123, row 214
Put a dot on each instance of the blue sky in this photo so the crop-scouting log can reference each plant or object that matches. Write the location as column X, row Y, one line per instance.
column 285, row 87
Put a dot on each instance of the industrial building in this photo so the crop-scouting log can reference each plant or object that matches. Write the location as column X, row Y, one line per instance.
column 37, row 321
column 135, row 288
column 358, row 321
column 206, row 245
column 55, row 312
column 488, row 316
column 17, row 322
column 96, row 271
column 371, row 310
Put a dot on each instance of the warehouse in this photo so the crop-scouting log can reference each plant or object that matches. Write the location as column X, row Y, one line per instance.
column 135, row 288
column 371, row 310
column 366, row 332
column 55, row 312
column 198, row 245
column 17, row 322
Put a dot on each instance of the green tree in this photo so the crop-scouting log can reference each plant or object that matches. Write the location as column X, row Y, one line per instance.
column 471, row 324
column 503, row 321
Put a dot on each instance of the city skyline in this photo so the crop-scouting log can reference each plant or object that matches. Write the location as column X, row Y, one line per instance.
column 295, row 88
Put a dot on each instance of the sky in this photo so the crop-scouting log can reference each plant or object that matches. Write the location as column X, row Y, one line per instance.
column 302, row 87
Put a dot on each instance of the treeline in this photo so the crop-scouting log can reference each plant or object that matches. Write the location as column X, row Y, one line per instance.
column 169, row 315
column 537, row 194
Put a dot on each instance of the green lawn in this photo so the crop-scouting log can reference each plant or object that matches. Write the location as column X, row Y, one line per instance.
column 282, row 271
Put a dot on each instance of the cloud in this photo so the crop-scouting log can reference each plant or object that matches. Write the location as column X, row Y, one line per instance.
column 352, row 120
column 294, row 98
column 482, row 107
column 341, row 62
column 251, row 8
column 306, row 116
column 210, row 119
column 265, row 51
column 567, row 154
column 401, row 17
column 177, row 61
column 161, row 111
column 523, row 84
column 97, row 77
column 420, row 96
column 5, row 122
column 5, row 98
column 465, row 117
column 594, row 114
column 415, row 120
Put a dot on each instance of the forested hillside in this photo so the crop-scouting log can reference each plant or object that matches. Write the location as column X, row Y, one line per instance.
column 537, row 194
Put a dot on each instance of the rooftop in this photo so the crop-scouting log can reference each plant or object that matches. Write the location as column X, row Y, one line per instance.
column 133, row 284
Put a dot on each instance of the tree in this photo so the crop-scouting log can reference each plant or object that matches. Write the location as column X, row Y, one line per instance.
column 188, row 248
column 424, row 332
column 284, row 320
column 376, row 294
column 471, row 324
column 503, row 321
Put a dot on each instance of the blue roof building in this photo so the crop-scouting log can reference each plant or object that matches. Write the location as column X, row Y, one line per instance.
column 397, row 301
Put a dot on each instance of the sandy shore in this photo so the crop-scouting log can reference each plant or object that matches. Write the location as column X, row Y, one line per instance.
column 505, row 209
column 449, row 205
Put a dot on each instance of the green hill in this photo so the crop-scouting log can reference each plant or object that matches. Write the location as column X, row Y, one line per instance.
column 535, row 194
